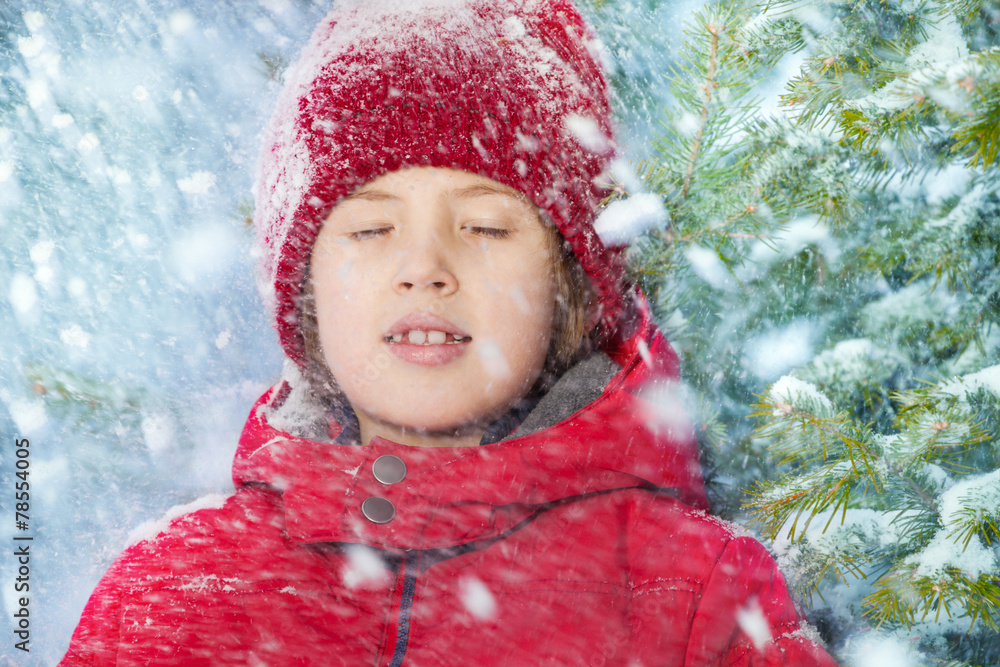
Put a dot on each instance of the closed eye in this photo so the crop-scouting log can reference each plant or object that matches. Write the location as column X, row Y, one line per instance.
column 490, row 232
column 365, row 234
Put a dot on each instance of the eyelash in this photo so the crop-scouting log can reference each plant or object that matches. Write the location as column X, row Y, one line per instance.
column 365, row 234
column 491, row 232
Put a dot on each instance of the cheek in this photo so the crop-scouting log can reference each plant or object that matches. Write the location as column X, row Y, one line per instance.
column 342, row 277
column 340, row 301
column 345, row 275
column 533, row 291
column 523, row 277
column 347, row 347
column 533, row 300
column 333, row 308
column 524, row 314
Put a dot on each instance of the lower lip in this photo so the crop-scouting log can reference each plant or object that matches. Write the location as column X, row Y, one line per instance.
column 428, row 355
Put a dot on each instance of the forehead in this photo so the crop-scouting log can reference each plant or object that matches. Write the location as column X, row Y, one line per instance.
column 423, row 181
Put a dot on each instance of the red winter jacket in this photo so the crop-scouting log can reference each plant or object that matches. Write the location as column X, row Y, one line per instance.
column 582, row 542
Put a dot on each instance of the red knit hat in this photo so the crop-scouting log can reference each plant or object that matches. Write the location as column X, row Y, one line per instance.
column 509, row 90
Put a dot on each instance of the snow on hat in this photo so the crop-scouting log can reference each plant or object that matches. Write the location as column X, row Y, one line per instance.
column 508, row 90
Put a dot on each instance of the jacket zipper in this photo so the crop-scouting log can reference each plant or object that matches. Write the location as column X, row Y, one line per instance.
column 403, row 613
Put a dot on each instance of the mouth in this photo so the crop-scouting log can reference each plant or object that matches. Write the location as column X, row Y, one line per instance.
column 426, row 337
column 425, row 329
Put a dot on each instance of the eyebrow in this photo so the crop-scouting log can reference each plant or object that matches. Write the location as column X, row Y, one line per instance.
column 467, row 192
column 371, row 195
column 484, row 190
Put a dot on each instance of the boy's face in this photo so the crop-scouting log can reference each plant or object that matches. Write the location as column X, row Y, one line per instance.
column 435, row 298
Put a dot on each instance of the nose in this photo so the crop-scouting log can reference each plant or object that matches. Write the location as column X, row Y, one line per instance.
column 424, row 266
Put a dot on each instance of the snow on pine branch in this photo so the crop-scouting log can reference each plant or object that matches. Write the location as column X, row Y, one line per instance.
column 790, row 392
column 987, row 379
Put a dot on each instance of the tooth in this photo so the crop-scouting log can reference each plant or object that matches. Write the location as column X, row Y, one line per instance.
column 397, row 338
column 436, row 337
column 417, row 337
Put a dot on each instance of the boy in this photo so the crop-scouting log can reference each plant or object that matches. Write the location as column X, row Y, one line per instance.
column 457, row 466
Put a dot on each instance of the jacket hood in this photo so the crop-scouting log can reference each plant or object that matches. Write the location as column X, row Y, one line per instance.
column 634, row 434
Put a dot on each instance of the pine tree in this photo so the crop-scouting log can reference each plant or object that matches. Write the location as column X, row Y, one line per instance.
column 847, row 242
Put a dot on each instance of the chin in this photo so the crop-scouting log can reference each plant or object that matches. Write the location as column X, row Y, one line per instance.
column 430, row 421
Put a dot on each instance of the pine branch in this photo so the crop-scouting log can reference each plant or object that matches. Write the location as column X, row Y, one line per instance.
column 901, row 267
column 900, row 473
column 708, row 87
column 902, row 597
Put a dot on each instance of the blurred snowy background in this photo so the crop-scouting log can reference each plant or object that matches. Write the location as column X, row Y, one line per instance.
column 858, row 252
column 133, row 343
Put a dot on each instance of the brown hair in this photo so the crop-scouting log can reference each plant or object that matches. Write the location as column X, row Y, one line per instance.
column 570, row 338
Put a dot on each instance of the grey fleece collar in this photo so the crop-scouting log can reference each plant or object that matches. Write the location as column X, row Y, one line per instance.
column 580, row 386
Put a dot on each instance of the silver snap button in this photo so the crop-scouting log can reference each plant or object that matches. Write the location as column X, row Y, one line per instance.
column 378, row 510
column 389, row 469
